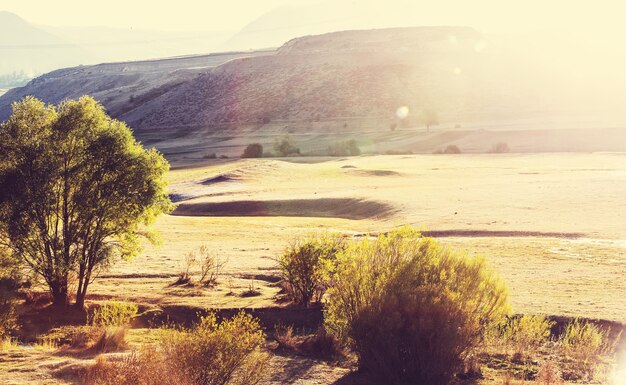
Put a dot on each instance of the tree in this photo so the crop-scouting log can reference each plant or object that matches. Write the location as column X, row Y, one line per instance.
column 285, row 146
column 76, row 191
column 254, row 150
column 429, row 118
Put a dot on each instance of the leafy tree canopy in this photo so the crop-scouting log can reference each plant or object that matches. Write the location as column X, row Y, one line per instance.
column 76, row 191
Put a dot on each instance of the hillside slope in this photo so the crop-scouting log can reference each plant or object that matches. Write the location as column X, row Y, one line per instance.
column 345, row 84
column 351, row 74
column 120, row 87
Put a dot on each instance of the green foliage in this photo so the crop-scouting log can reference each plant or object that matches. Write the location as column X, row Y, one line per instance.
column 429, row 117
column 525, row 334
column 254, row 150
column 114, row 313
column 76, row 191
column 285, row 146
column 217, row 353
column 346, row 148
column 585, row 344
column 452, row 149
column 305, row 267
column 411, row 309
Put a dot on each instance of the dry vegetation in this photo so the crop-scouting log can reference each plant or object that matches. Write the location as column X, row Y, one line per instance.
column 527, row 228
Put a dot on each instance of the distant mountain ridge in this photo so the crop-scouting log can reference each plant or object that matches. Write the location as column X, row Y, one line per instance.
column 342, row 81
column 24, row 47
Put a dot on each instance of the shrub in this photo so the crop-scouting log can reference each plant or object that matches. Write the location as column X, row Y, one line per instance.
column 217, row 353
column 526, row 334
column 188, row 263
column 452, row 149
column 210, row 354
column 500, row 148
column 411, row 309
column 346, row 148
column 285, row 146
column 305, row 267
column 254, row 150
column 321, row 344
column 549, row 374
column 145, row 367
column 112, row 339
column 114, row 313
column 211, row 266
column 585, row 344
column 210, row 156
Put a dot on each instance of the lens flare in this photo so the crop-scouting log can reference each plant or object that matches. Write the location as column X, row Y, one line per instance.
column 619, row 374
column 456, row 71
column 402, row 112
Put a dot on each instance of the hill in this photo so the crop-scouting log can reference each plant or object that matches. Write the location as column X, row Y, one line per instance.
column 24, row 47
column 343, row 75
column 351, row 84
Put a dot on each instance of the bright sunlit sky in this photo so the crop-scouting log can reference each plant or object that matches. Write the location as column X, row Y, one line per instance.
column 487, row 15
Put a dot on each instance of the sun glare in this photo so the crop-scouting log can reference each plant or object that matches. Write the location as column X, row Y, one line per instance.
column 402, row 112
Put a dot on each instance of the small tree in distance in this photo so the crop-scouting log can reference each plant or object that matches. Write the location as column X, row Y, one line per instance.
column 254, row 150
column 285, row 146
column 500, row 148
column 76, row 190
column 429, row 118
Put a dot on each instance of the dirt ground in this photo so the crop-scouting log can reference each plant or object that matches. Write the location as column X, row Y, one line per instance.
column 552, row 225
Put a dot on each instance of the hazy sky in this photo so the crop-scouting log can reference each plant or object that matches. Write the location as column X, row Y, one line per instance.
column 487, row 15
column 145, row 14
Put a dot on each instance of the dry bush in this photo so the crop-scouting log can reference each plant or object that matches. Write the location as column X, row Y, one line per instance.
column 452, row 149
column 252, row 291
column 285, row 337
column 226, row 353
column 112, row 339
column 114, row 313
column 471, row 368
column 508, row 379
column 46, row 343
column 75, row 336
column 211, row 266
column 411, row 309
column 499, row 148
column 184, row 277
column 584, row 344
column 321, row 344
column 345, row 148
column 549, row 374
column 526, row 334
column 305, row 266
column 145, row 367
column 217, row 353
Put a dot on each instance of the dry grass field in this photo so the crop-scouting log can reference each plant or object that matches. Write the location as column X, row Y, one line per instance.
column 553, row 225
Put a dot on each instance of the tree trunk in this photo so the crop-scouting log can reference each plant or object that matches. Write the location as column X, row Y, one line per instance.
column 80, row 300
column 81, row 293
column 58, row 290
